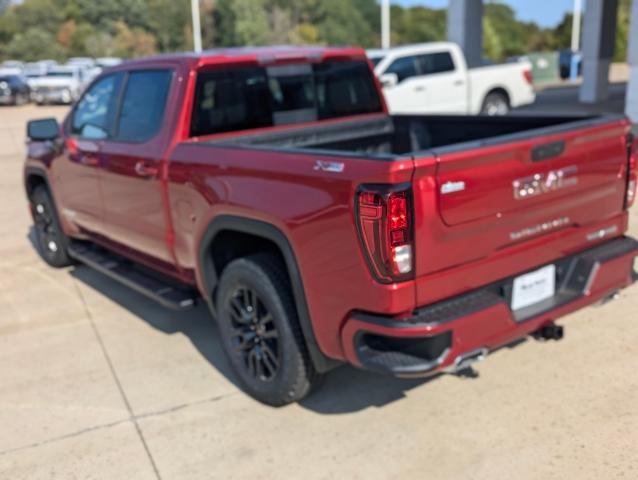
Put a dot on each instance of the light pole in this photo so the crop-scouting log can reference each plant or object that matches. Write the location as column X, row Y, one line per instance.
column 573, row 68
column 385, row 24
column 197, row 29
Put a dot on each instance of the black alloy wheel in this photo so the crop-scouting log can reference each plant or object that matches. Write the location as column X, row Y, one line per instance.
column 255, row 336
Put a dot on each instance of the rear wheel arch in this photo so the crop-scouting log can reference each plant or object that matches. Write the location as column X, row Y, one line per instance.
column 229, row 237
column 497, row 91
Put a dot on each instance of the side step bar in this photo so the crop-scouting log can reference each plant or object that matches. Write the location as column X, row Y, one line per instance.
column 126, row 273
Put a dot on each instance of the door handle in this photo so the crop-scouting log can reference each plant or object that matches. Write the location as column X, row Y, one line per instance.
column 143, row 170
column 89, row 160
column 458, row 83
column 419, row 89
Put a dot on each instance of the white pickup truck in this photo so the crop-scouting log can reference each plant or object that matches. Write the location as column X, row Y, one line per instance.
column 434, row 78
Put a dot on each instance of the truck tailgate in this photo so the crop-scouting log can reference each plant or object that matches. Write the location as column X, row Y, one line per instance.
column 488, row 198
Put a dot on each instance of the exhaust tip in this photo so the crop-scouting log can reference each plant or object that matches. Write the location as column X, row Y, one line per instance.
column 550, row 331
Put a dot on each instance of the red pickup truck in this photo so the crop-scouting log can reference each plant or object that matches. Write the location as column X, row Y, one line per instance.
column 273, row 184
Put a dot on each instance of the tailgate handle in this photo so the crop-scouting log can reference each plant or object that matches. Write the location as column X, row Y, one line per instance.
column 547, row 151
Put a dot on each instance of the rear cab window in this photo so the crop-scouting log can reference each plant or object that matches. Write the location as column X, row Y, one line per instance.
column 244, row 98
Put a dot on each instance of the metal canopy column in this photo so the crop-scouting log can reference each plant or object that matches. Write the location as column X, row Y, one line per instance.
column 465, row 27
column 599, row 38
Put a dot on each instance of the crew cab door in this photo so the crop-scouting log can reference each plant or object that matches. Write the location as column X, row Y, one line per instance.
column 445, row 83
column 76, row 171
column 135, row 209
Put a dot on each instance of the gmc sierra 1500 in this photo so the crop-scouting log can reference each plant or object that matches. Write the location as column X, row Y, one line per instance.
column 318, row 228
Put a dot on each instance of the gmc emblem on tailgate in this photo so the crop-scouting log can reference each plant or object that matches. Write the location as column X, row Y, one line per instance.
column 542, row 183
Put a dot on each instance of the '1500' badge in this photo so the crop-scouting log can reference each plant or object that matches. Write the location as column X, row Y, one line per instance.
column 542, row 183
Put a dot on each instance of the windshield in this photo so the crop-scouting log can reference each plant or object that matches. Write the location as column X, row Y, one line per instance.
column 375, row 60
column 60, row 74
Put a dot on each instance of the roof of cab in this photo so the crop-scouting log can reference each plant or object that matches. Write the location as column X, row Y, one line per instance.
column 271, row 54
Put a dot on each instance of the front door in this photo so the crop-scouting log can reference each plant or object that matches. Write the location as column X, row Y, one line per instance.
column 409, row 95
column 135, row 214
column 76, row 171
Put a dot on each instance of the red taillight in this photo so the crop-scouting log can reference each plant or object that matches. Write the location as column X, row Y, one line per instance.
column 529, row 78
column 383, row 216
column 632, row 172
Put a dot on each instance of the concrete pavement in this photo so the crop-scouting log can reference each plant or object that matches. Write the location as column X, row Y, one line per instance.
column 96, row 381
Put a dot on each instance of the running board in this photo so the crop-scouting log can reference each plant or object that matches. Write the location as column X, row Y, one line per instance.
column 126, row 273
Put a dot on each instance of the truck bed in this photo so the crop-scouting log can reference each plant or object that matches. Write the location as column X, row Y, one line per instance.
column 398, row 136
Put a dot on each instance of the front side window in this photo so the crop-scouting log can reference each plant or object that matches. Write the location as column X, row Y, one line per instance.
column 256, row 97
column 93, row 115
column 143, row 105
column 403, row 68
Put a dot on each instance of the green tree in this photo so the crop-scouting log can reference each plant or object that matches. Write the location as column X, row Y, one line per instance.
column 34, row 44
column 167, row 20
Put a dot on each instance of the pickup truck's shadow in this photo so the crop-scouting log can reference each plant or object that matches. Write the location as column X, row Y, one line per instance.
column 344, row 390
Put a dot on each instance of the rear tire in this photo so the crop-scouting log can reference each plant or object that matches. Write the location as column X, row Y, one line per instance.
column 260, row 331
column 51, row 241
column 495, row 104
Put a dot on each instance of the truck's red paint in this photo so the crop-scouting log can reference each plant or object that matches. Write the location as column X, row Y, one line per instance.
column 462, row 242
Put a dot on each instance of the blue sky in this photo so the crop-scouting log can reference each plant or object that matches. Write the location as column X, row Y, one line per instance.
column 527, row 10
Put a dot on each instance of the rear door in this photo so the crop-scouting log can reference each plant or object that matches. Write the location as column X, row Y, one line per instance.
column 509, row 192
column 444, row 82
column 132, row 167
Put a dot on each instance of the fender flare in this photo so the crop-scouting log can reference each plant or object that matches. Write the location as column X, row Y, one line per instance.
column 35, row 172
column 258, row 228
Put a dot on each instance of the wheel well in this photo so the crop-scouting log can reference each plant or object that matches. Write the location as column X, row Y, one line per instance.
column 229, row 245
column 34, row 180
column 500, row 91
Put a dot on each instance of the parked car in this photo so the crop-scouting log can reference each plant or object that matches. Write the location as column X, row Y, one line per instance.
column 434, row 78
column 81, row 62
column 106, row 62
column 61, row 84
column 565, row 59
column 13, row 90
column 318, row 228
column 35, row 70
column 12, row 64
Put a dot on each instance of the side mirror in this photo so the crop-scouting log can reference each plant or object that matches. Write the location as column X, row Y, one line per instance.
column 43, row 129
column 389, row 80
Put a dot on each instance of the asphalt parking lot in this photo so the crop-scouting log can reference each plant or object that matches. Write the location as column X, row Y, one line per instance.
column 96, row 381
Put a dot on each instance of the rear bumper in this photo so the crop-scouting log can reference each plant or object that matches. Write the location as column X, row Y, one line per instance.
column 440, row 336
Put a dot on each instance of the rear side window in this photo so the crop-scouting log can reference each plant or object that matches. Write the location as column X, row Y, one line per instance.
column 143, row 105
column 255, row 97
column 403, row 68
column 439, row 62
column 94, row 113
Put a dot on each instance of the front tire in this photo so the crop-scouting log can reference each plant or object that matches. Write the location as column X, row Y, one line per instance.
column 495, row 104
column 261, row 333
column 51, row 241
